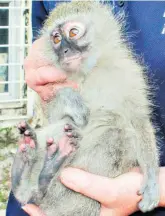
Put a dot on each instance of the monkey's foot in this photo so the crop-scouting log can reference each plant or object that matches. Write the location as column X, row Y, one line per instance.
column 27, row 143
column 64, row 147
column 28, row 137
column 150, row 192
column 56, row 155
column 26, row 154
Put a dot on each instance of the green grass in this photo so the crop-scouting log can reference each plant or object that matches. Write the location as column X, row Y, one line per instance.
column 7, row 137
column 2, row 157
column 4, row 185
column 7, row 141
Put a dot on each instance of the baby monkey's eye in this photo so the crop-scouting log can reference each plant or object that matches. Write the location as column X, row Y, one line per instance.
column 73, row 32
column 57, row 38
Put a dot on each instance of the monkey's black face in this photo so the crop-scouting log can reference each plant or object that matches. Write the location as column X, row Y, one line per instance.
column 69, row 45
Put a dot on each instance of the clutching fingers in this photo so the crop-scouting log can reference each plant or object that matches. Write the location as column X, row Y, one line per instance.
column 65, row 84
column 47, row 92
column 96, row 187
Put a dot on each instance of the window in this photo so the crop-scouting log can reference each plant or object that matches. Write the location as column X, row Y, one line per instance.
column 15, row 38
column 4, row 21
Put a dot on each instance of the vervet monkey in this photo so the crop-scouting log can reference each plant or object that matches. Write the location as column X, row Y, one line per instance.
column 104, row 126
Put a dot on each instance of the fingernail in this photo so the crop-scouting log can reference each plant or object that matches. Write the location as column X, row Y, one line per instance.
column 24, row 208
column 75, row 179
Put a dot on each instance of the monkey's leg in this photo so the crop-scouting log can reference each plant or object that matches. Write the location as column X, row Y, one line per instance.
column 56, row 155
column 147, row 156
column 25, row 154
column 93, row 156
column 28, row 189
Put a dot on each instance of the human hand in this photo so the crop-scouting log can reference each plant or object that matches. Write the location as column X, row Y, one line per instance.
column 118, row 196
column 41, row 75
column 33, row 210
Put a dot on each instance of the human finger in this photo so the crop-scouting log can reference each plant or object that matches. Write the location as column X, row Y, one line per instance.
column 33, row 210
column 96, row 187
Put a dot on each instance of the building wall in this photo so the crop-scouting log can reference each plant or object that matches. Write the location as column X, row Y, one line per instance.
column 15, row 39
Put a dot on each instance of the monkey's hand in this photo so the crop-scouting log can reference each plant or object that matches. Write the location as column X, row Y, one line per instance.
column 150, row 192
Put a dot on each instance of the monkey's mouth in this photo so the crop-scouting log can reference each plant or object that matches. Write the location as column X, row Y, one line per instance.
column 69, row 60
column 72, row 64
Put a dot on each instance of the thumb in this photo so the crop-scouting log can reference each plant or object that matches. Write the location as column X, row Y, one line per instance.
column 96, row 187
column 33, row 210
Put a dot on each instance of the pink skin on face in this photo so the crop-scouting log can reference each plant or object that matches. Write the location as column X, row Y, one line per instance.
column 76, row 25
column 73, row 31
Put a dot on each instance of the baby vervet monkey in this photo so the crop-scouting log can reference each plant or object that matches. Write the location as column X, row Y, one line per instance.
column 103, row 127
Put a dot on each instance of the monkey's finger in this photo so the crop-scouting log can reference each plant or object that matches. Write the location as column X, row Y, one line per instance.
column 22, row 148
column 33, row 210
column 21, row 127
column 49, row 141
column 32, row 144
column 68, row 127
column 96, row 187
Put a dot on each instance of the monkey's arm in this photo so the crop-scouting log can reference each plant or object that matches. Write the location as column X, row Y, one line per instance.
column 147, row 157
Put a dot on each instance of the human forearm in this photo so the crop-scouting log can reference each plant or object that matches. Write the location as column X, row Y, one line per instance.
column 162, row 186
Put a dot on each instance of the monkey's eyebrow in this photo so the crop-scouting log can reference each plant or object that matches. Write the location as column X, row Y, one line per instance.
column 60, row 25
column 59, row 28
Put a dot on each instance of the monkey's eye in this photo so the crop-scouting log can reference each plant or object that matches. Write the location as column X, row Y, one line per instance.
column 73, row 32
column 56, row 38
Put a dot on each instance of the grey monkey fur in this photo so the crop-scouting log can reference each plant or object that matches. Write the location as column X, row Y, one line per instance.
column 111, row 110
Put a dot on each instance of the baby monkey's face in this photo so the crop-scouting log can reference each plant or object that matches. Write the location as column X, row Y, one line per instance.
column 71, row 44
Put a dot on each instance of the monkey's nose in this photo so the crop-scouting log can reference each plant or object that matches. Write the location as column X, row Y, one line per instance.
column 66, row 50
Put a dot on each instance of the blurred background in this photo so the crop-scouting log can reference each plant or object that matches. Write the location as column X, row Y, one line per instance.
column 15, row 40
